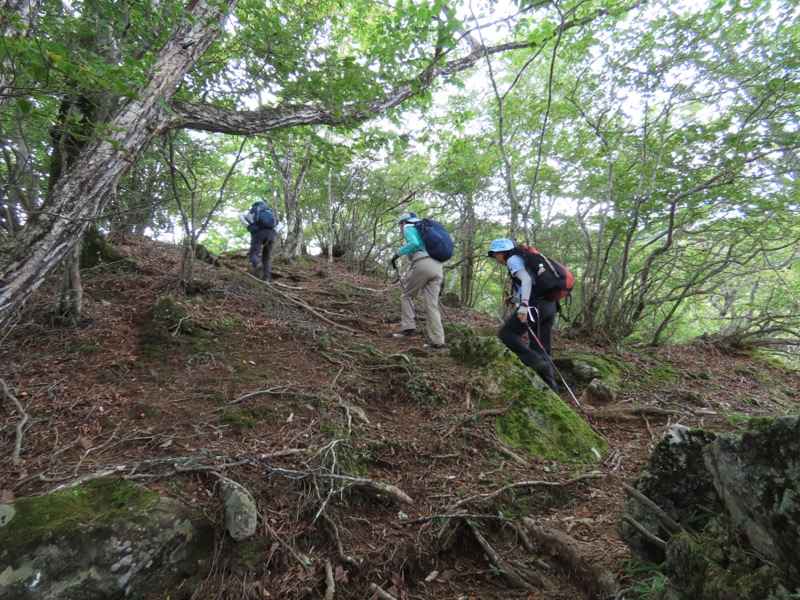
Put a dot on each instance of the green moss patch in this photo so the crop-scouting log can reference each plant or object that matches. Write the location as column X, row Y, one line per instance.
column 101, row 500
column 538, row 421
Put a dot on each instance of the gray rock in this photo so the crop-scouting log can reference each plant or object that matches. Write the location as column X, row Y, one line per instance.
column 598, row 392
column 241, row 513
column 757, row 475
column 106, row 539
column 738, row 499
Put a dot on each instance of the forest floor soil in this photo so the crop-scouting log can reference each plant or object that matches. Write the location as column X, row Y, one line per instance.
column 280, row 387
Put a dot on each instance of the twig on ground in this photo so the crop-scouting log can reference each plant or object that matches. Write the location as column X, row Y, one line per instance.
column 525, row 484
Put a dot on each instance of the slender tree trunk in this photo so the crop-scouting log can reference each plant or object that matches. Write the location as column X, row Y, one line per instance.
column 331, row 232
column 70, row 294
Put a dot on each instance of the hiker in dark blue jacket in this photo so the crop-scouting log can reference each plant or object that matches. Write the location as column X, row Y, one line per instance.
column 534, row 316
column 261, row 240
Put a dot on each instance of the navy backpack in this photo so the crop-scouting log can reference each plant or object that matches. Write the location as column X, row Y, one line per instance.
column 437, row 240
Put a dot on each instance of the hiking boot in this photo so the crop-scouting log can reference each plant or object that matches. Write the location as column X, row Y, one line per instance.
column 406, row 334
column 435, row 346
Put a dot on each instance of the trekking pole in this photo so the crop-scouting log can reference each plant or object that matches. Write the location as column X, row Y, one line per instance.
column 410, row 301
column 458, row 331
column 550, row 360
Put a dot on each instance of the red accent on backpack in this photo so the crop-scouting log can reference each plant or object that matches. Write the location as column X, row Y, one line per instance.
column 554, row 281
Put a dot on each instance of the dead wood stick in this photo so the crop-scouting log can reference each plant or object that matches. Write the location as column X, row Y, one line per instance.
column 672, row 527
column 330, row 584
column 657, row 541
column 508, row 570
column 521, row 484
column 380, row 593
column 598, row 579
column 20, row 427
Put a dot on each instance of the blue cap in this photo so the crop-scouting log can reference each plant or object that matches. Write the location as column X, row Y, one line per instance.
column 408, row 217
column 500, row 245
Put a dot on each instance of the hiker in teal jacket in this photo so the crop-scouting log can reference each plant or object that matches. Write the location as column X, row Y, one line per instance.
column 424, row 276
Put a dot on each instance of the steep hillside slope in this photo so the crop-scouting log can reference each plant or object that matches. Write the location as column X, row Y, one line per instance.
column 369, row 457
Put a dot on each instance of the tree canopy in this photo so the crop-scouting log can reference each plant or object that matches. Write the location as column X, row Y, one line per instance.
column 651, row 146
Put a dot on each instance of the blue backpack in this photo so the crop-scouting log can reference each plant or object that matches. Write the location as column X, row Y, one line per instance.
column 437, row 240
column 263, row 217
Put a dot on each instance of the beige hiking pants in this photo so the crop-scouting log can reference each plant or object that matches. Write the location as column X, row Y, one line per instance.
column 426, row 276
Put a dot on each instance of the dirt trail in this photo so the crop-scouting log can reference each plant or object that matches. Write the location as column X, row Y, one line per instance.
column 293, row 388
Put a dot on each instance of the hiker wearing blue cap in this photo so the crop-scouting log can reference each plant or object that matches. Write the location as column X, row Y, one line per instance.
column 424, row 276
column 532, row 312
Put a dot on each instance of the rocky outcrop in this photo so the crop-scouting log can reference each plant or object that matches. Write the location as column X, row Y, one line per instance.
column 107, row 538
column 722, row 512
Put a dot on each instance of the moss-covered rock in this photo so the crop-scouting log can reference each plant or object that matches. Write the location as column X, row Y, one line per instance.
column 737, row 498
column 538, row 422
column 677, row 480
column 95, row 250
column 107, row 538
column 757, row 476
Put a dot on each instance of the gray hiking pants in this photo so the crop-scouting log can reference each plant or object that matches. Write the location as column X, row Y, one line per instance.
column 425, row 276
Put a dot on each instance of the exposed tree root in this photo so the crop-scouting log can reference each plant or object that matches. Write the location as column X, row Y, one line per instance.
column 527, row 484
column 633, row 412
column 597, row 580
column 516, row 575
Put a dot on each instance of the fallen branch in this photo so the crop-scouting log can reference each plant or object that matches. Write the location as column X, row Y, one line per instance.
column 508, row 570
column 669, row 524
column 15, row 456
column 654, row 539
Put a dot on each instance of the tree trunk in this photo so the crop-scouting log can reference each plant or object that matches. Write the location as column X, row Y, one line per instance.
column 82, row 191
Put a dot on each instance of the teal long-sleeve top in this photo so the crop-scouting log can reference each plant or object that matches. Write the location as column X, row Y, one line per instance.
column 414, row 242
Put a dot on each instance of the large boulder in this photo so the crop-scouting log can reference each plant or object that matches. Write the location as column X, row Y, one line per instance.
column 722, row 511
column 107, row 538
